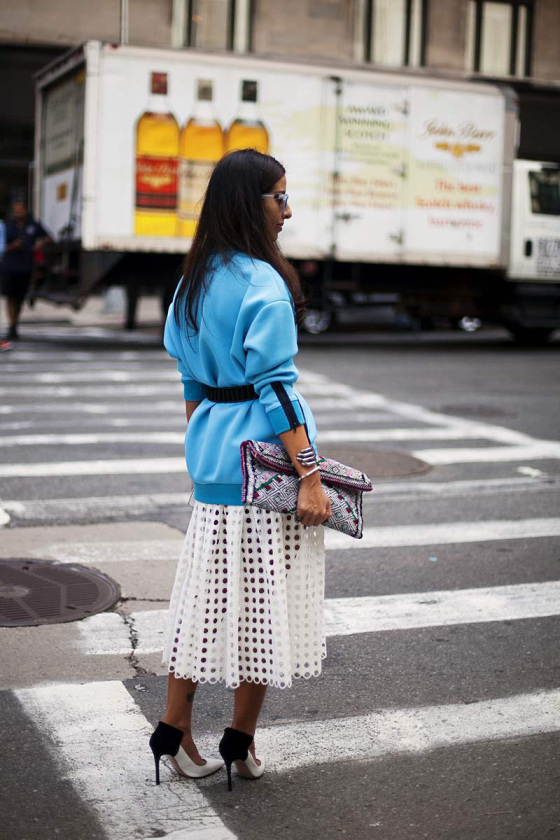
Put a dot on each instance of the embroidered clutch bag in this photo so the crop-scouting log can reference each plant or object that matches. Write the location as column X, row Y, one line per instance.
column 271, row 482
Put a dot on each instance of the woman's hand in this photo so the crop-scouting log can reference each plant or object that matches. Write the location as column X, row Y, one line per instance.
column 313, row 506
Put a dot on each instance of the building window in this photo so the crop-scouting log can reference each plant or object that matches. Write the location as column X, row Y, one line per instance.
column 499, row 37
column 212, row 24
column 395, row 32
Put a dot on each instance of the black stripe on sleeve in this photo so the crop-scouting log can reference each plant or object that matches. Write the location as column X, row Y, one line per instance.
column 286, row 404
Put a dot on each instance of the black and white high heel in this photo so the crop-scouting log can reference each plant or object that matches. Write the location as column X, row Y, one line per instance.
column 166, row 740
column 234, row 747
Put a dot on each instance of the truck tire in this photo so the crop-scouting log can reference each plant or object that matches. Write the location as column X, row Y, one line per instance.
column 317, row 321
column 530, row 336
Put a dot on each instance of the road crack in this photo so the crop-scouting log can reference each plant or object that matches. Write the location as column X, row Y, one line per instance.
column 134, row 638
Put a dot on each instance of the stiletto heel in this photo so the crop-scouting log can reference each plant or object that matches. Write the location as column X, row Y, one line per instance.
column 166, row 740
column 228, row 768
column 234, row 747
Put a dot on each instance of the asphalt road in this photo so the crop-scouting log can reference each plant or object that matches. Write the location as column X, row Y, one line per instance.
column 438, row 711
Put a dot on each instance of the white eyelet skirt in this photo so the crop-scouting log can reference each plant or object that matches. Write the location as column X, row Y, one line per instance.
column 248, row 599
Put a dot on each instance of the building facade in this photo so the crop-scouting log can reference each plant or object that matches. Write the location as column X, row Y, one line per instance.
column 513, row 40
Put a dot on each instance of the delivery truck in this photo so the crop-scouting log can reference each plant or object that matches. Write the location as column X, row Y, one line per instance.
column 403, row 185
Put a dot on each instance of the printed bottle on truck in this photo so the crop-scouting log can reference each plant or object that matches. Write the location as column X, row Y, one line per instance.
column 200, row 147
column 247, row 130
column 157, row 147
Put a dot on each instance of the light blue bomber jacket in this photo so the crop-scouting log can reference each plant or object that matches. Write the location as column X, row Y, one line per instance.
column 246, row 335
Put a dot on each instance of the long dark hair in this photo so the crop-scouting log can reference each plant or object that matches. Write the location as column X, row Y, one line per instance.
column 232, row 219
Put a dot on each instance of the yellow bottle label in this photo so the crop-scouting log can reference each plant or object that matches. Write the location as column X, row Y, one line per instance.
column 193, row 180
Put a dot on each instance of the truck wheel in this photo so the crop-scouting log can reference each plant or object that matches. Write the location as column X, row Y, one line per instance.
column 530, row 336
column 316, row 321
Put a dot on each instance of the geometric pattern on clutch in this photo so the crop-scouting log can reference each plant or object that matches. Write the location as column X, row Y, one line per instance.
column 271, row 482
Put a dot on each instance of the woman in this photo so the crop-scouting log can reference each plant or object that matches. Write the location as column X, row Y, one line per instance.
column 247, row 602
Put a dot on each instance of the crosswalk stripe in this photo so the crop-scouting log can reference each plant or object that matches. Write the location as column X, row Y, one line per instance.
column 101, row 735
column 332, row 435
column 467, row 432
column 118, row 389
column 540, row 450
column 288, row 747
column 447, row 533
column 98, row 375
column 121, row 466
column 105, row 634
column 93, row 438
column 101, row 408
column 79, row 509
column 78, row 719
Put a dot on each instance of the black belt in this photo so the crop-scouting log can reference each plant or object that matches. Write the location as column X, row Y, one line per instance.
column 240, row 393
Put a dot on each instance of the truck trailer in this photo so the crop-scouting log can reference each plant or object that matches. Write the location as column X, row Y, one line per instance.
column 403, row 184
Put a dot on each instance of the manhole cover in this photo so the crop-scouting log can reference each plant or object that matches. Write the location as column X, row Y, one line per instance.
column 376, row 463
column 41, row 592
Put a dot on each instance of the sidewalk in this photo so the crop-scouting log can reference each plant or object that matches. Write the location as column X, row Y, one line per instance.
column 105, row 310
column 101, row 320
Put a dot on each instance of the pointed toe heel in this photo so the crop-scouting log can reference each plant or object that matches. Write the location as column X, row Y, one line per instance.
column 234, row 747
column 166, row 740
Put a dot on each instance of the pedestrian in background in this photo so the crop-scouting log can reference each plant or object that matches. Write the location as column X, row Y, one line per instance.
column 247, row 603
column 24, row 236
column 4, row 345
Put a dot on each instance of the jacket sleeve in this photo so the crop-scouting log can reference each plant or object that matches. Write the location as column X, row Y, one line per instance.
column 270, row 346
column 193, row 390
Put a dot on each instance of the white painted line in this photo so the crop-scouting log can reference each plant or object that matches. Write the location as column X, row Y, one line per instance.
column 103, row 634
column 78, row 509
column 446, row 533
column 93, row 438
column 100, row 738
column 81, row 509
column 68, row 408
column 541, row 450
column 356, row 398
column 100, row 553
column 168, row 373
column 4, row 517
column 132, row 466
column 346, row 616
column 530, row 471
column 468, row 432
column 116, row 390
column 171, row 422
column 341, row 435
column 387, row 491
column 413, row 730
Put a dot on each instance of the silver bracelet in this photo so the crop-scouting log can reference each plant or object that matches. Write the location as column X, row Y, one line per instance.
column 307, row 457
column 315, row 469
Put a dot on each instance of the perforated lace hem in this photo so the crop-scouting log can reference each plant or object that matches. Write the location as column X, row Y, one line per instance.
column 248, row 599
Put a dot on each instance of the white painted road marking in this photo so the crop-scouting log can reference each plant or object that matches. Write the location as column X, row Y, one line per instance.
column 100, row 736
column 130, row 466
column 445, row 533
column 105, row 635
column 96, row 438
column 82, row 508
column 413, row 730
column 96, row 726
column 539, row 451
column 334, row 435
column 119, row 389
column 68, row 408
